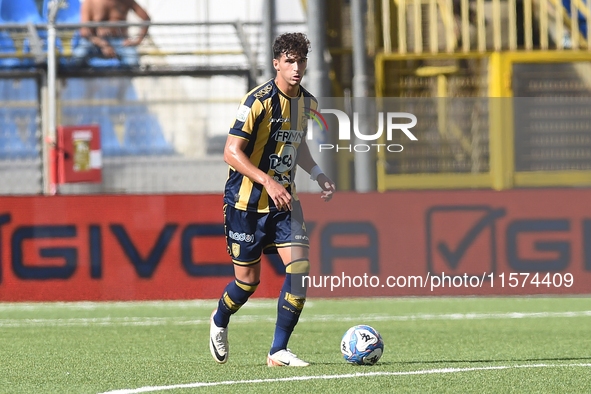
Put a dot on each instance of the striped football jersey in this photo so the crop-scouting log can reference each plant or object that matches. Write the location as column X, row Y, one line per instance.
column 274, row 125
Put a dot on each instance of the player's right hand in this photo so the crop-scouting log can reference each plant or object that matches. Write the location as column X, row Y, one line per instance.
column 279, row 195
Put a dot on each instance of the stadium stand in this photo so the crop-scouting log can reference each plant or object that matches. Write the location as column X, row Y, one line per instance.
column 141, row 132
column 18, row 139
column 18, row 89
column 70, row 14
column 21, row 11
column 7, row 47
column 143, row 136
column 6, row 44
column 582, row 20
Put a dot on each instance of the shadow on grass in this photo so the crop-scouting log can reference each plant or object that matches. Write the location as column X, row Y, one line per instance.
column 435, row 362
column 494, row 360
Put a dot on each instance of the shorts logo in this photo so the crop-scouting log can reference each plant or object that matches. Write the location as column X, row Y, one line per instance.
column 235, row 250
column 241, row 236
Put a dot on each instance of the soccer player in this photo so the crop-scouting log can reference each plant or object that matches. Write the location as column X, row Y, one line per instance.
column 261, row 210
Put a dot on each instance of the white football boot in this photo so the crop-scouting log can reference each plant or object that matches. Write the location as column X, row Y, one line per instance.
column 285, row 358
column 218, row 341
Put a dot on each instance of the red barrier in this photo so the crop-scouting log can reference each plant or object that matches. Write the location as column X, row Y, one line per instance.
column 172, row 246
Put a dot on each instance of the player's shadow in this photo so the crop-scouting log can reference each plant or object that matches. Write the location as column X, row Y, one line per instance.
column 494, row 360
column 381, row 363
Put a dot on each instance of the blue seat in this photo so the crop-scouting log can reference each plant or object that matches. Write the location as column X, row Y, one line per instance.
column 581, row 18
column 70, row 14
column 18, row 139
column 143, row 136
column 6, row 46
column 25, row 11
column 18, row 89
column 22, row 11
column 109, row 143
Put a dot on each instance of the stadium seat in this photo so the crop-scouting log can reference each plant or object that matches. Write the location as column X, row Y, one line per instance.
column 92, row 115
column 18, row 89
column 70, row 14
column 22, row 11
column 581, row 18
column 18, row 137
column 6, row 46
column 143, row 136
column 99, row 89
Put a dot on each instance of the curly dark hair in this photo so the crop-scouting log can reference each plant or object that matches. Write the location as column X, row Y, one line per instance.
column 291, row 44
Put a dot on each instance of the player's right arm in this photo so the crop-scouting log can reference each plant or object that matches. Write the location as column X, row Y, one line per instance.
column 234, row 155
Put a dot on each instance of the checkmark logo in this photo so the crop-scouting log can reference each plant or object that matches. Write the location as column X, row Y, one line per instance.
column 461, row 234
column 453, row 257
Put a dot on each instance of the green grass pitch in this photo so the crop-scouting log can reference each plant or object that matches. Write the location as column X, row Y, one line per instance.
column 431, row 345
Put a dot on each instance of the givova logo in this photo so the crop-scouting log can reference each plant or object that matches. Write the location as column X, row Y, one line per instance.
column 241, row 236
column 392, row 120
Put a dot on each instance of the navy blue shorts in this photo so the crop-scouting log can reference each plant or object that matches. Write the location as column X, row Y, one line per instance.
column 250, row 234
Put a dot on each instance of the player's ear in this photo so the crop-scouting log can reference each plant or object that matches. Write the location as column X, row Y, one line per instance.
column 276, row 64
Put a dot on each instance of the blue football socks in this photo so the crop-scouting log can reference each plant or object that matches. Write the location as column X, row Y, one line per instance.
column 235, row 295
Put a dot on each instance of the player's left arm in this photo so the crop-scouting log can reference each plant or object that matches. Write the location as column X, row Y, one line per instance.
column 308, row 164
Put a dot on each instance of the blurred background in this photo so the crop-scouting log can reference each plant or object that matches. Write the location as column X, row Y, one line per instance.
column 499, row 88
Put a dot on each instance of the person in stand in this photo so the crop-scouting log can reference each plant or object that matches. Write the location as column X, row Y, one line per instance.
column 109, row 42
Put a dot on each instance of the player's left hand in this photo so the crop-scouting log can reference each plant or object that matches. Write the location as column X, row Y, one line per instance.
column 328, row 187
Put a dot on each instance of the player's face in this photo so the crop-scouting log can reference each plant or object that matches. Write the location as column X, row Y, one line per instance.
column 290, row 68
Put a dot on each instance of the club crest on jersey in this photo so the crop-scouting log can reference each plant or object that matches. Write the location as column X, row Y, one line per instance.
column 293, row 136
column 235, row 250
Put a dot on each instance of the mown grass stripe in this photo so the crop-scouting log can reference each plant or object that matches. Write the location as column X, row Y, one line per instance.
column 154, row 321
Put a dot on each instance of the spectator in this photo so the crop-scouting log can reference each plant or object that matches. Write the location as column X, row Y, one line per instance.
column 108, row 42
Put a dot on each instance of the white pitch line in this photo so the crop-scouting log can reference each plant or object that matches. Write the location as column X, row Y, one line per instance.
column 344, row 376
column 183, row 321
column 97, row 305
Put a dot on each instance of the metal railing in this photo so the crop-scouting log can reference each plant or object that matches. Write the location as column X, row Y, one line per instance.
column 163, row 121
column 448, row 26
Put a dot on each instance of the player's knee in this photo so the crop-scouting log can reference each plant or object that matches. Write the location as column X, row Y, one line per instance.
column 237, row 293
column 248, row 287
column 299, row 266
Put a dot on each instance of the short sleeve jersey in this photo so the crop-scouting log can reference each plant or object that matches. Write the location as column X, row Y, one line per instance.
column 274, row 125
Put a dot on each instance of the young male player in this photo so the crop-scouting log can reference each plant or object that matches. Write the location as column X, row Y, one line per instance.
column 261, row 210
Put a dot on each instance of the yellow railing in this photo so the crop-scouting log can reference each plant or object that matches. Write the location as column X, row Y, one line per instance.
column 479, row 26
column 502, row 173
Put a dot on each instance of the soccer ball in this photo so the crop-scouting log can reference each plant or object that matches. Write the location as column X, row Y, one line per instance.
column 362, row 345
